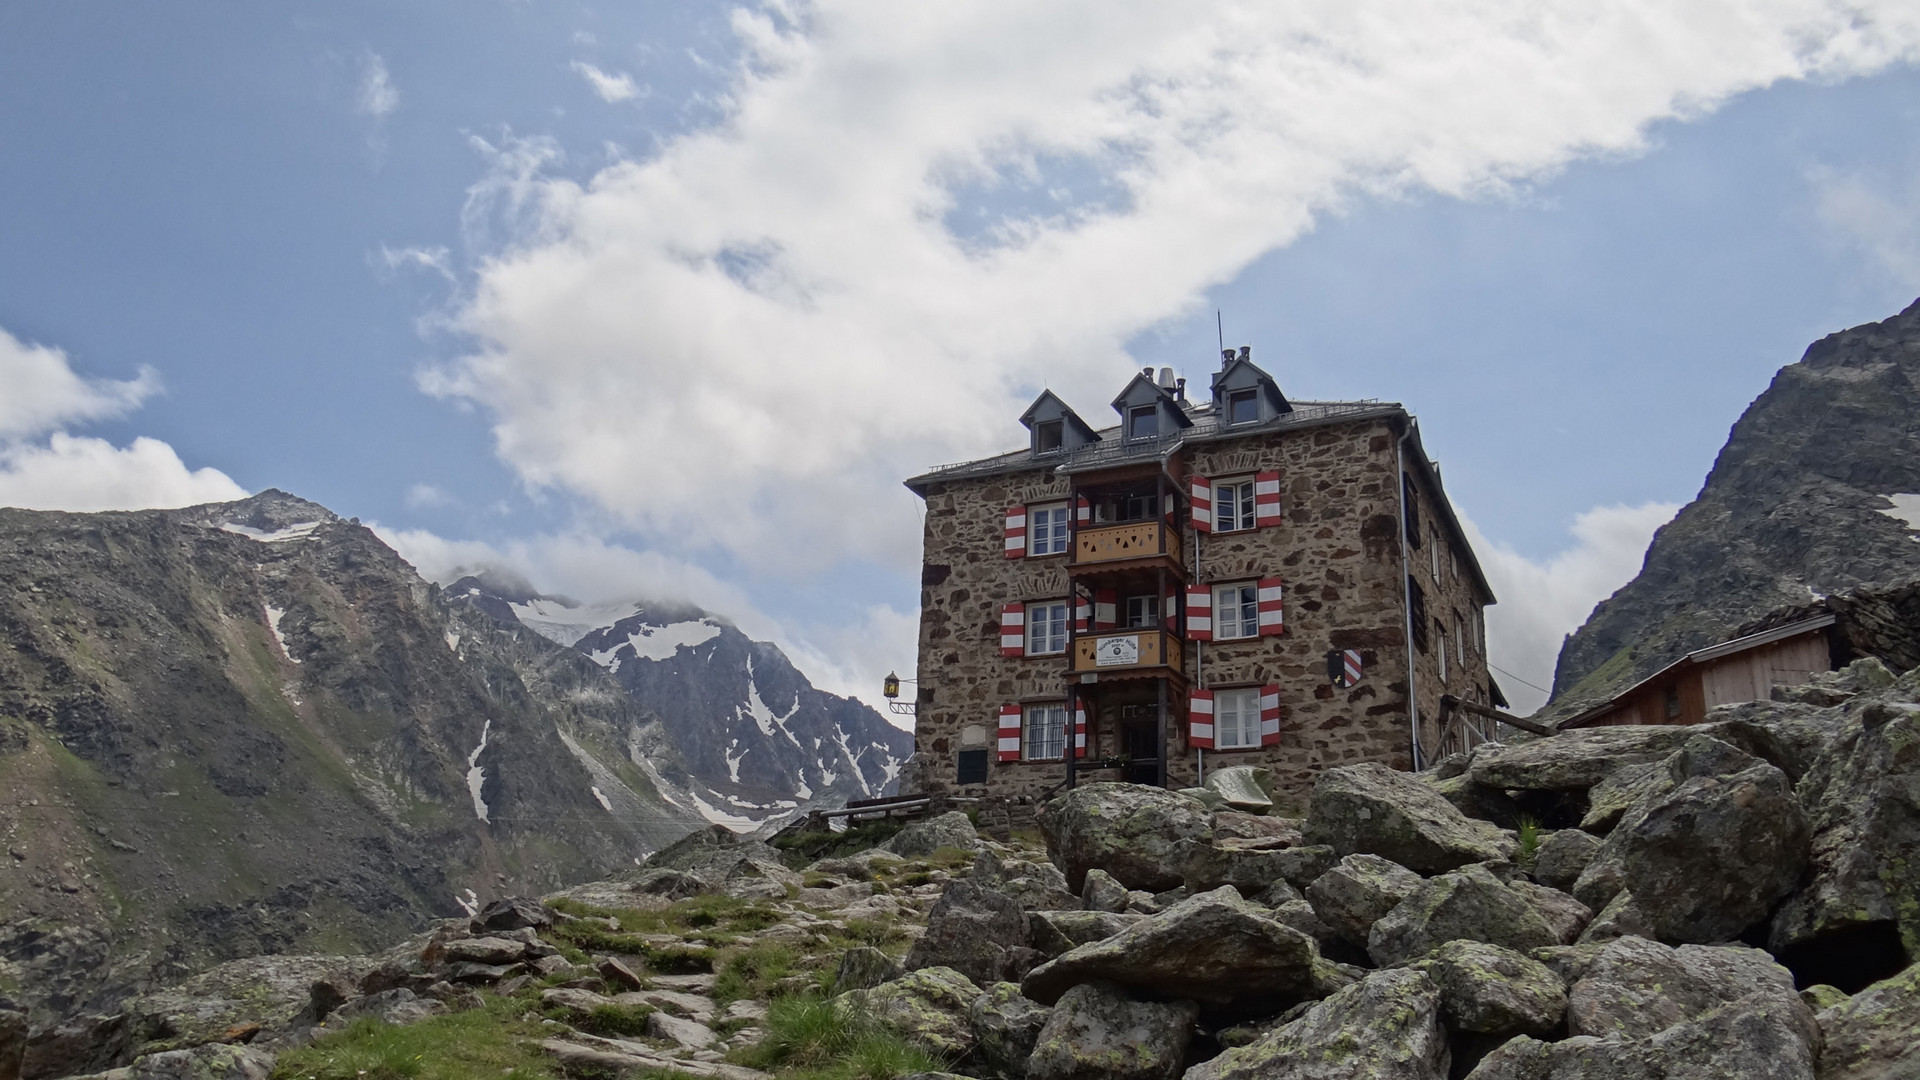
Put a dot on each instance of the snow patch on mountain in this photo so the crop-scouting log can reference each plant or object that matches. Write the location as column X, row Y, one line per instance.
column 1905, row 508
column 290, row 532
column 565, row 622
column 718, row 816
column 597, row 794
column 477, row 776
column 659, row 642
column 274, row 615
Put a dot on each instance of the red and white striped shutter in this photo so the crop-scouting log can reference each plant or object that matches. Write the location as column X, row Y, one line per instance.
column 1016, row 532
column 1200, row 719
column 1009, row 733
column 1266, row 499
column 1013, row 629
column 1083, row 511
column 1202, row 504
column 1082, row 614
column 1272, row 618
column 1270, row 715
column 1079, row 730
column 1106, row 609
column 1200, row 614
column 1170, row 611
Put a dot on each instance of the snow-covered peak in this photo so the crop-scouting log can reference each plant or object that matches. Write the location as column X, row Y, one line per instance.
column 565, row 621
column 653, row 642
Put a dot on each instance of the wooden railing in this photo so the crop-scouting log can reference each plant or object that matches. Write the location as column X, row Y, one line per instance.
column 1133, row 540
column 1126, row 650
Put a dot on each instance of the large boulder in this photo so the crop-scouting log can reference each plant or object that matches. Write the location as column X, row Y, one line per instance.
column 213, row 1061
column 1489, row 990
column 1574, row 760
column 1875, row 1034
column 1097, row 1032
column 1738, row 1042
column 1638, row 988
column 929, row 1008
column 77, row 1044
column 1212, row 948
column 1250, row 866
column 1356, row 893
column 1005, row 1024
column 1386, row 1026
column 923, row 838
column 1468, row 904
column 975, row 931
column 1051, row 933
column 1562, row 857
column 1858, row 916
column 1131, row 831
column 712, row 852
column 1712, row 854
column 1371, row 809
column 1246, row 788
column 1035, row 886
column 1100, row 892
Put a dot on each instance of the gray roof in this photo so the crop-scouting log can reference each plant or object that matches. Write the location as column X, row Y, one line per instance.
column 1113, row 450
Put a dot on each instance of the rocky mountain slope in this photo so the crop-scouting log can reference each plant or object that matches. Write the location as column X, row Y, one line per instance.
column 761, row 739
column 251, row 727
column 1736, row 900
column 1814, row 493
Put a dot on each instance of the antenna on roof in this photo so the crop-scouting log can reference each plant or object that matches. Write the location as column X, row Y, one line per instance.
column 1220, row 329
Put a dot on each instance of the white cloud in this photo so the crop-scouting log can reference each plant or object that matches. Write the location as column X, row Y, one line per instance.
column 426, row 497
column 1542, row 602
column 78, row 473
column 1878, row 212
column 746, row 340
column 377, row 96
column 44, row 394
column 612, row 88
column 437, row 259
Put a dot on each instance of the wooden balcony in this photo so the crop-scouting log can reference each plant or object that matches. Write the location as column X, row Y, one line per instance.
column 1127, row 652
column 1136, row 543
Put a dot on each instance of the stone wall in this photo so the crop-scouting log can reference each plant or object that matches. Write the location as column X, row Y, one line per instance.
column 1338, row 551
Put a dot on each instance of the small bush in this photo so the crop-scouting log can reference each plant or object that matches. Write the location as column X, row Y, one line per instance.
column 1529, row 839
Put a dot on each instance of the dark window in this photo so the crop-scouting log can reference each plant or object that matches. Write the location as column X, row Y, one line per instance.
column 1143, row 422
column 1142, row 611
column 972, row 769
column 1047, row 436
column 1673, row 703
column 1413, row 510
column 1243, row 406
column 1417, row 611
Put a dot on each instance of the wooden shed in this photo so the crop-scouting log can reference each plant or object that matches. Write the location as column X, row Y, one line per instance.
column 1744, row 669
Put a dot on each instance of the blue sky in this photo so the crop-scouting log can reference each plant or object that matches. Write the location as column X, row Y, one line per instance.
column 666, row 298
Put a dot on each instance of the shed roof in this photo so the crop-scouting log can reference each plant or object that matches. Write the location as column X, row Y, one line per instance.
column 1698, row 657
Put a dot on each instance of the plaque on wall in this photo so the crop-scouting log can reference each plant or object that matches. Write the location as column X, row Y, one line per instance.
column 1116, row 651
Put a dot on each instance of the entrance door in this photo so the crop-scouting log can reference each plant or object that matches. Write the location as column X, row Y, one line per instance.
column 1143, row 748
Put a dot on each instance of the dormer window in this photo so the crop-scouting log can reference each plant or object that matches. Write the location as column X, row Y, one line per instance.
column 1243, row 406
column 1143, row 422
column 1049, row 436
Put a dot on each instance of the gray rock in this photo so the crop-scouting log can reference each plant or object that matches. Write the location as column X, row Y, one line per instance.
column 1206, row 797
column 513, row 913
column 1357, row 892
column 1742, row 1041
column 1709, row 857
column 486, row 950
column 1495, row 991
column 1562, row 857
column 1568, row 962
column 1821, row 997
column 1102, row 893
column 1387, row 1026
column 973, row 930
column 1250, row 866
column 687, row 1034
column 1097, row 1032
column 1829, row 688
column 78, row 1044
column 1215, row 947
column 760, row 879
column 1131, row 831
column 923, row 838
column 1620, row 918
column 669, row 884
column 1638, row 988
column 1005, row 1026
column 1051, row 933
column 864, row 967
column 398, row 1006
column 1610, row 798
column 1863, row 801
column 213, row 1061
column 13, row 1042
column 1875, row 1034
column 1246, row 788
column 1468, row 904
column 1232, row 825
column 1567, row 916
column 1371, row 809
column 1278, row 894
column 929, row 1007
column 1574, row 760
column 1476, row 800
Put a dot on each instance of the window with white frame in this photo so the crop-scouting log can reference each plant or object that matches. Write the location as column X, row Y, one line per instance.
column 1047, row 529
column 1046, row 628
column 1460, row 638
column 1433, row 558
column 1236, row 719
column 1045, row 734
column 1233, row 505
column 1236, row 610
column 1440, row 650
column 1142, row 611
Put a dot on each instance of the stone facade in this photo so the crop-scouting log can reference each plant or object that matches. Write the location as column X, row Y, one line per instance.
column 1338, row 548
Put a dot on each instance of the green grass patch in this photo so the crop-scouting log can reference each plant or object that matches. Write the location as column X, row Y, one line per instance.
column 753, row 971
column 495, row 1040
column 706, row 920
column 614, row 1020
column 1529, row 839
column 814, row 1038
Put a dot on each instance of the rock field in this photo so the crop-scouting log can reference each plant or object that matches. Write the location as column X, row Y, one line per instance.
column 1738, row 899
